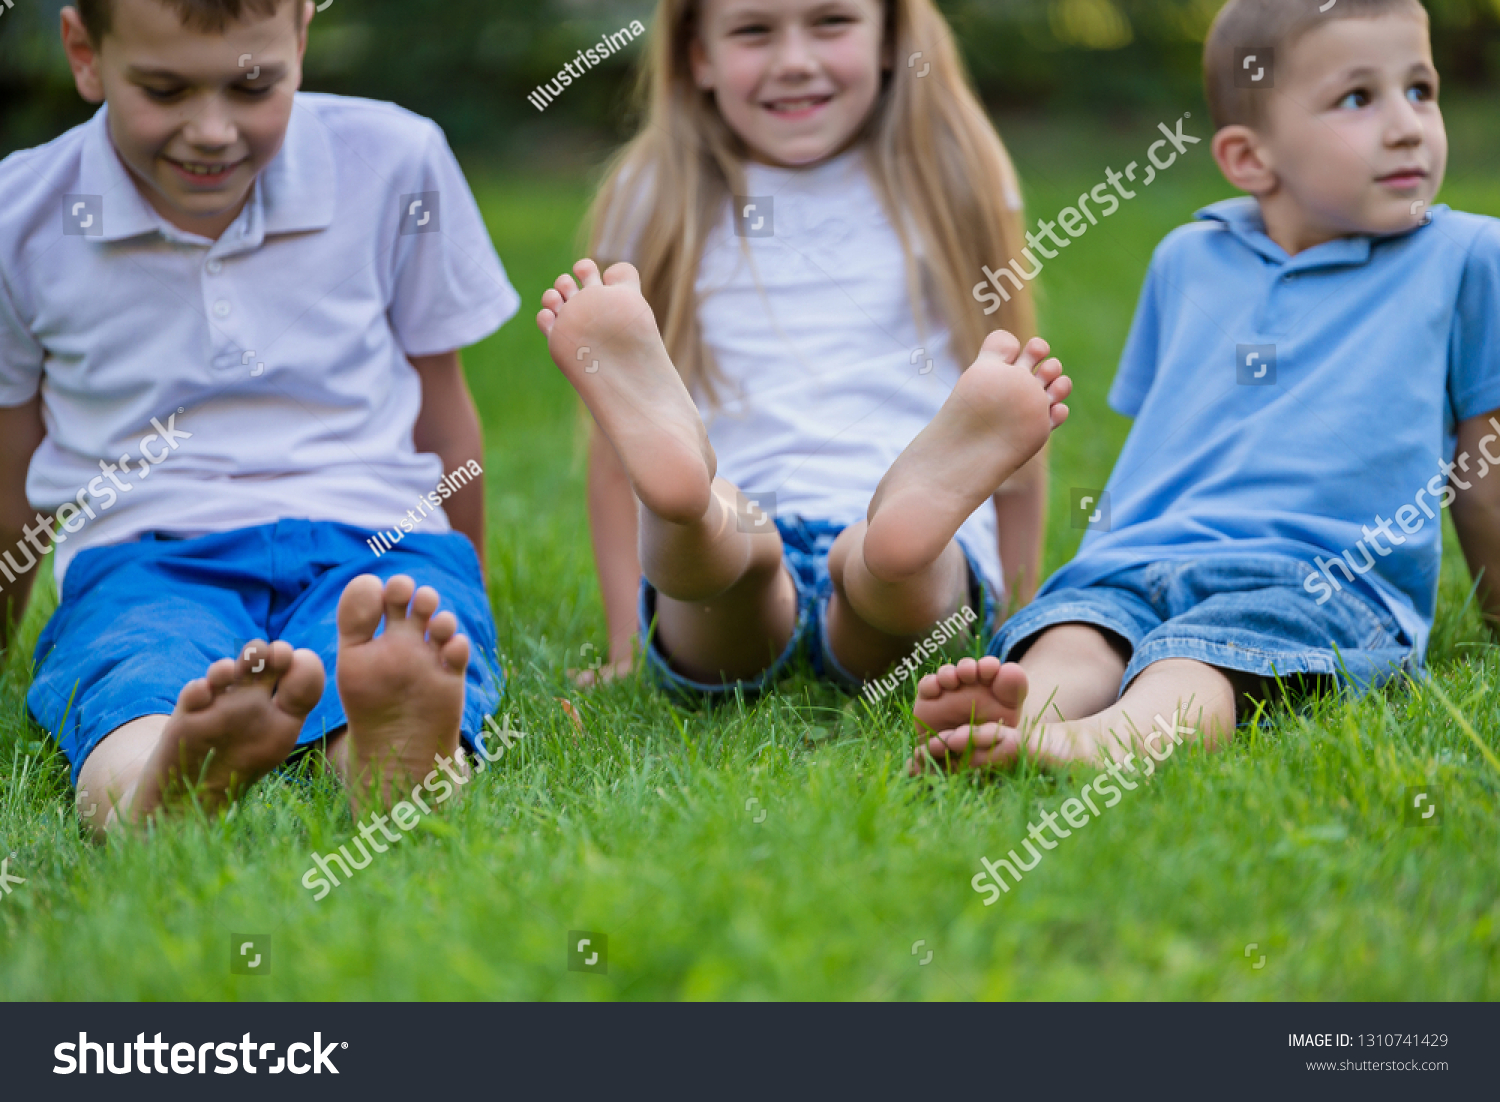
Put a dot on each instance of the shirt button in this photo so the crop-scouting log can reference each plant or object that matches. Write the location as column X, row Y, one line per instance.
column 221, row 308
column 215, row 266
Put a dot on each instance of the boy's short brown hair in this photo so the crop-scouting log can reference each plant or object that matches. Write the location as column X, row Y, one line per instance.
column 208, row 16
column 1274, row 24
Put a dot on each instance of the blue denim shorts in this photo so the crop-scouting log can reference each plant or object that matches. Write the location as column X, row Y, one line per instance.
column 139, row 620
column 1247, row 613
column 805, row 546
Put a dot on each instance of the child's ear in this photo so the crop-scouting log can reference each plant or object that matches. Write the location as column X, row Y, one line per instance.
column 703, row 72
column 83, row 57
column 1242, row 158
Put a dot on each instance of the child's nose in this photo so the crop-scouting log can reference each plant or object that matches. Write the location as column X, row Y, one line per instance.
column 211, row 125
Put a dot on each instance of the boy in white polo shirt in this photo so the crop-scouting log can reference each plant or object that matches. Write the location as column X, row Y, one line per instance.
column 228, row 321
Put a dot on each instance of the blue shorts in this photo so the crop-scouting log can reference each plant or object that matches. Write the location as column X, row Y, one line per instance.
column 138, row 621
column 1247, row 613
column 805, row 546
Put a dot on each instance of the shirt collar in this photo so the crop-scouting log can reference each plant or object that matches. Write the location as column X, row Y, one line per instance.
column 1242, row 218
column 295, row 192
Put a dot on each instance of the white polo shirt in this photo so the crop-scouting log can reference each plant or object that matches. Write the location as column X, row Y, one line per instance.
column 275, row 357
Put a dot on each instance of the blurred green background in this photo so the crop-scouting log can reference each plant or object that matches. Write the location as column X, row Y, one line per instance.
column 469, row 63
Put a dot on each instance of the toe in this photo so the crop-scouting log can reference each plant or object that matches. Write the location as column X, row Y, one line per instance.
column 1048, row 370
column 423, row 604
column 222, row 674
column 398, row 594
column 1010, row 686
column 587, row 272
column 442, row 627
column 545, row 320
column 1035, row 352
column 1003, row 344
column 360, row 609
column 566, row 287
column 968, row 671
column 196, row 695
column 989, row 666
column 947, row 677
column 621, row 273
column 1059, row 414
column 455, row 653
column 929, row 688
column 551, row 300
column 1059, row 389
column 301, row 687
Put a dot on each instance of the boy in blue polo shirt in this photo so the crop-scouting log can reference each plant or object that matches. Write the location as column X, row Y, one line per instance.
column 1314, row 373
column 228, row 321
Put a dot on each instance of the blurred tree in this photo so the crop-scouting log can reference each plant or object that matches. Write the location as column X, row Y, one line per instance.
column 470, row 63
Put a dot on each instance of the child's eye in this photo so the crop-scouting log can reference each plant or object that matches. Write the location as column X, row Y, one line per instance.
column 253, row 91
column 162, row 95
column 1358, row 98
column 750, row 30
column 1420, row 92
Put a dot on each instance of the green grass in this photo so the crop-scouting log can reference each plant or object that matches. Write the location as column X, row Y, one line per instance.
column 1292, row 838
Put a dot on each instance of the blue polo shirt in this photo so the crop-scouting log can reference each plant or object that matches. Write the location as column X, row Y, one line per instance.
column 1285, row 404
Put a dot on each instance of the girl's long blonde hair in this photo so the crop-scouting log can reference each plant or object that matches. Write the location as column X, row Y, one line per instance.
column 937, row 164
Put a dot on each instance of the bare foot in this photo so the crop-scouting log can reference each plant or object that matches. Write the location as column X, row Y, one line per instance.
column 603, row 337
column 982, row 691
column 998, row 745
column 403, row 692
column 998, row 416
column 230, row 728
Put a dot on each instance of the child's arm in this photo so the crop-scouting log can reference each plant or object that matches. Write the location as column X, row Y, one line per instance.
column 612, row 527
column 21, row 431
column 1476, row 511
column 1021, row 514
column 448, row 426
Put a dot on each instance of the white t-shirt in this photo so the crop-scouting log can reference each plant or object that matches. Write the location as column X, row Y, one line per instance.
column 823, row 376
column 275, row 357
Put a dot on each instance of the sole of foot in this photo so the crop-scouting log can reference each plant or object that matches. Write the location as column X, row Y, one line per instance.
column 231, row 727
column 971, row 691
column 602, row 335
column 998, row 416
column 403, row 690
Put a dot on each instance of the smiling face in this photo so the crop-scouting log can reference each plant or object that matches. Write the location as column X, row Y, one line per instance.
column 1353, row 138
column 193, row 115
column 794, row 79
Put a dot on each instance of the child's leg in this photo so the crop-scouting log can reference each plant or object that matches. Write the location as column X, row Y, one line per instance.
column 1071, row 713
column 900, row 572
column 229, row 728
column 726, row 606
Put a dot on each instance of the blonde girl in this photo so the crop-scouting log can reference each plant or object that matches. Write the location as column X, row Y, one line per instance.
column 786, row 453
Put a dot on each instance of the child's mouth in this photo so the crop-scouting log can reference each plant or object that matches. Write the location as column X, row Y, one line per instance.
column 799, row 107
column 1403, row 179
column 203, row 173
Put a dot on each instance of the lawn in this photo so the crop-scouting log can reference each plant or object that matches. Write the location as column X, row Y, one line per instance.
column 775, row 849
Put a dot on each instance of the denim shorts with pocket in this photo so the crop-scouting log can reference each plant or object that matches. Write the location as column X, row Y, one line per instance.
column 1247, row 613
column 805, row 546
